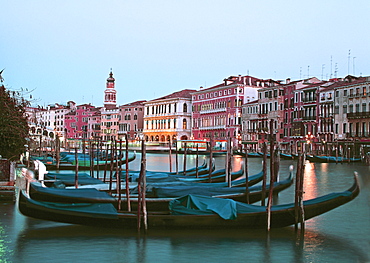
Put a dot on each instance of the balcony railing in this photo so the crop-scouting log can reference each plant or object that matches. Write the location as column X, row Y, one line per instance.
column 358, row 115
column 357, row 134
column 213, row 127
column 309, row 118
column 212, row 111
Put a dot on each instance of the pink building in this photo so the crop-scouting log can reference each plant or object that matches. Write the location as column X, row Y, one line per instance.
column 94, row 124
column 76, row 122
column 132, row 119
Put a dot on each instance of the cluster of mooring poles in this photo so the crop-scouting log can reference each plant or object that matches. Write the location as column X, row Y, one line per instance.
column 116, row 155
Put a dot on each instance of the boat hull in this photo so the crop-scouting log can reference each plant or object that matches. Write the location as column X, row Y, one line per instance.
column 105, row 215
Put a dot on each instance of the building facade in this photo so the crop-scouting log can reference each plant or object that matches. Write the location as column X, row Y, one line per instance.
column 168, row 118
column 132, row 119
column 217, row 111
column 352, row 109
column 77, row 122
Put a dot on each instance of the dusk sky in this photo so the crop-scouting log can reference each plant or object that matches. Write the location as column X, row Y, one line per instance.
column 64, row 50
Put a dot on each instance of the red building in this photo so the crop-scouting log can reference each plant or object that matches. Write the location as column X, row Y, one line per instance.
column 76, row 122
column 217, row 111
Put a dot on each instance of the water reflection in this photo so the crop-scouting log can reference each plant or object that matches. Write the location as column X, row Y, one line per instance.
column 280, row 245
column 342, row 235
column 310, row 181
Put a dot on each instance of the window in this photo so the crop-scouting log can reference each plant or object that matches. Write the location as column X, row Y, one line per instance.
column 184, row 124
column 185, row 107
column 345, row 92
column 344, row 109
column 336, row 109
column 357, row 107
column 350, row 108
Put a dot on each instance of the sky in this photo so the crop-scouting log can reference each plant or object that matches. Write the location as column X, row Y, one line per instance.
column 63, row 50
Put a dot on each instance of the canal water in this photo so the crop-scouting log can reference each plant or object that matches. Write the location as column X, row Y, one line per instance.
column 341, row 235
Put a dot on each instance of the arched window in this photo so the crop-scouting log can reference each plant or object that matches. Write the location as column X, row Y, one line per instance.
column 184, row 124
column 185, row 107
column 135, row 117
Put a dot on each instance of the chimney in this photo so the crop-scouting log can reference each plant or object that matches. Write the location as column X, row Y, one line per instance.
column 287, row 81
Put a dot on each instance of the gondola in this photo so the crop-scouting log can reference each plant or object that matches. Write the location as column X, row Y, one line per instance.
column 250, row 154
column 190, row 211
column 332, row 159
column 214, row 177
column 83, row 194
column 204, row 172
column 177, row 191
column 158, row 203
column 187, row 171
column 85, row 164
column 70, row 179
column 286, row 156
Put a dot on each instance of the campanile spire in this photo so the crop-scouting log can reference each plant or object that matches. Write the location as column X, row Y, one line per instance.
column 110, row 93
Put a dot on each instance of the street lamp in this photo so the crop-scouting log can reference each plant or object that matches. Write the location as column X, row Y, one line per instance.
column 309, row 138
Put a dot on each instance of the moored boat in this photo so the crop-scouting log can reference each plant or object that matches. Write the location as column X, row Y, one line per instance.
column 332, row 159
column 86, row 164
column 190, row 211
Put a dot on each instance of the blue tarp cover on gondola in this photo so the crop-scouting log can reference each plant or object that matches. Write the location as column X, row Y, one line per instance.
column 228, row 208
column 203, row 205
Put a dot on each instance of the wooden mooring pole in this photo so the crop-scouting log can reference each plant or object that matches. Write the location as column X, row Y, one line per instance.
column 229, row 155
column 76, row 171
column 118, row 174
column 272, row 175
column 299, row 209
column 127, row 177
column 196, row 163
column 142, row 187
column 210, row 159
column 246, row 175
column 264, row 170
column 112, row 153
column 176, row 158
column 185, row 149
column 170, row 155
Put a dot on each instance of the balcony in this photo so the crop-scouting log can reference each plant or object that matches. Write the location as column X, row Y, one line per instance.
column 273, row 114
column 309, row 118
column 357, row 95
column 358, row 115
column 212, row 111
column 217, row 127
column 358, row 134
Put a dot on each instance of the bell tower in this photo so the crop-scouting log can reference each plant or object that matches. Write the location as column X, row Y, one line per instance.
column 110, row 101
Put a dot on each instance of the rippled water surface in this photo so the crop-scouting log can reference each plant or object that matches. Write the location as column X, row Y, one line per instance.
column 341, row 235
